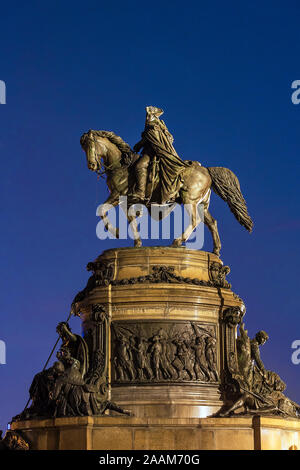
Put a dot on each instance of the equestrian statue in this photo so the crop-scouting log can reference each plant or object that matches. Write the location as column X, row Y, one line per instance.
column 159, row 176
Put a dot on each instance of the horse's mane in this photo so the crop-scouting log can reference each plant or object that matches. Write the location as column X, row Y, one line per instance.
column 115, row 139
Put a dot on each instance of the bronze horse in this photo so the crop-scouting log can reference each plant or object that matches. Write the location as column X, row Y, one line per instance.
column 107, row 152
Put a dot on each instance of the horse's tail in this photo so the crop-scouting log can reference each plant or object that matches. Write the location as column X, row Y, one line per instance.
column 226, row 185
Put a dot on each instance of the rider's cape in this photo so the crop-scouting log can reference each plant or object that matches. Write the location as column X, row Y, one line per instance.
column 169, row 163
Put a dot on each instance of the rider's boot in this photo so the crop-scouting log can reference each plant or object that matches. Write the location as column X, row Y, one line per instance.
column 140, row 188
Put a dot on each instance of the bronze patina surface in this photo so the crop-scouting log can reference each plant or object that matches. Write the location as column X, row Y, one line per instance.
column 159, row 176
column 248, row 386
column 164, row 360
column 166, row 349
column 77, row 383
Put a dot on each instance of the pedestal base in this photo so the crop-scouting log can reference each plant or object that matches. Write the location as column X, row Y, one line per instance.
column 122, row 433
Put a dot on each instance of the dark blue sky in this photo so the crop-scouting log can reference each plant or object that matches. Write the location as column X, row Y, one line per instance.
column 222, row 71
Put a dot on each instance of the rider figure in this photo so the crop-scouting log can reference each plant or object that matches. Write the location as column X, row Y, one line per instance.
column 157, row 143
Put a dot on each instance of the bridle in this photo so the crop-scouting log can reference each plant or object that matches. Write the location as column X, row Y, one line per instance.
column 98, row 160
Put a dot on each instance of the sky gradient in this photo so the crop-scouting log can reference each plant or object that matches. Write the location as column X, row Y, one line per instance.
column 222, row 71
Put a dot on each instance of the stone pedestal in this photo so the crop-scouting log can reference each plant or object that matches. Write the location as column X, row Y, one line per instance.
column 121, row 433
column 168, row 319
column 160, row 300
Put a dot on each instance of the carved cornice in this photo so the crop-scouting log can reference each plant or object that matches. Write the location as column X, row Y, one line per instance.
column 103, row 277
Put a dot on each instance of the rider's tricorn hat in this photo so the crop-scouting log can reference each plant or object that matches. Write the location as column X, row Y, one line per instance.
column 153, row 110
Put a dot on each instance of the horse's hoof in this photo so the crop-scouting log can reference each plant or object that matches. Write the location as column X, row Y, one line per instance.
column 137, row 243
column 177, row 243
column 117, row 233
column 216, row 252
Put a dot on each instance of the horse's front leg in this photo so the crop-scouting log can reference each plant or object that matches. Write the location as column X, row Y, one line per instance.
column 112, row 201
column 132, row 215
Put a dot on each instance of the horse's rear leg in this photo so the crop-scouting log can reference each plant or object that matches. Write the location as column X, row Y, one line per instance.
column 211, row 223
column 195, row 219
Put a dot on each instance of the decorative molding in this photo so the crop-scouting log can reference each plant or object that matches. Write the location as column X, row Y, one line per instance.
column 77, row 383
column 218, row 274
column 104, row 273
column 246, row 383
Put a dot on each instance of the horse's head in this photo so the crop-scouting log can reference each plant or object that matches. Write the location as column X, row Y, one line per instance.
column 94, row 150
